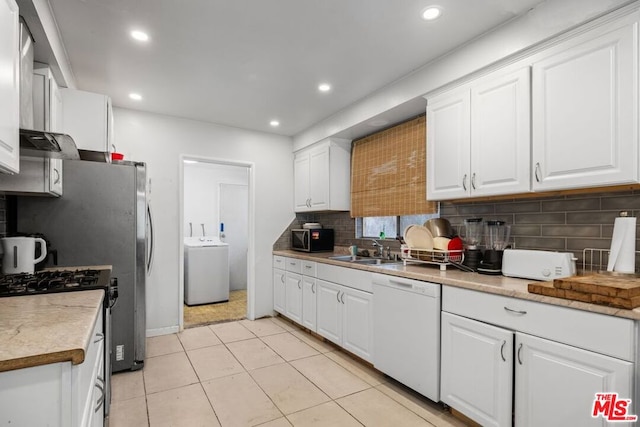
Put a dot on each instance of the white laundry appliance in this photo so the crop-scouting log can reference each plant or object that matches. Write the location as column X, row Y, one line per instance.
column 206, row 270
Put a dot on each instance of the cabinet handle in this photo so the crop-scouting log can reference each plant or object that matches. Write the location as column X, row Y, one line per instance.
column 313, row 288
column 299, row 285
column 292, row 263
column 309, row 202
column 342, row 298
column 338, row 296
column 473, row 181
column 522, row 312
column 464, row 182
column 307, row 266
column 502, row 350
column 519, row 350
column 101, row 388
column 282, row 279
column 99, row 337
column 537, row 172
column 57, row 180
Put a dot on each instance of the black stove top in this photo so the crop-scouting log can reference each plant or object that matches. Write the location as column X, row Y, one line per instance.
column 50, row 281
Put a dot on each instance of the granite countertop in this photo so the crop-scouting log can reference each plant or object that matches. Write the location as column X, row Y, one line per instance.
column 500, row 285
column 48, row 328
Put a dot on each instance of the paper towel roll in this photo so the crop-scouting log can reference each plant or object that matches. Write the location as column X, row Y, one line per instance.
column 622, row 257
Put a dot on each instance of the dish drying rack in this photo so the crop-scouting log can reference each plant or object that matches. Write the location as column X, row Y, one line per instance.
column 594, row 260
column 431, row 256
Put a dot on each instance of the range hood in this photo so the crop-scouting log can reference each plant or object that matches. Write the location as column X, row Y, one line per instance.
column 35, row 143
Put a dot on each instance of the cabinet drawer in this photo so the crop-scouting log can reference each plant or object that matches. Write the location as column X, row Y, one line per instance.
column 357, row 279
column 309, row 268
column 293, row 265
column 613, row 336
column 278, row 261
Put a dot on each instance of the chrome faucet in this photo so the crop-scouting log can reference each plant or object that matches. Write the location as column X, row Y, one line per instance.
column 379, row 251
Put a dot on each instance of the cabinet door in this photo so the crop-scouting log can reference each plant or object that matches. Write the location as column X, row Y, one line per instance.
column 357, row 333
column 585, row 114
column 477, row 370
column 86, row 117
column 329, row 311
column 556, row 383
column 293, row 297
column 279, row 301
column 309, row 303
column 301, row 182
column 319, row 178
column 448, row 146
column 500, row 135
column 9, row 87
column 55, row 107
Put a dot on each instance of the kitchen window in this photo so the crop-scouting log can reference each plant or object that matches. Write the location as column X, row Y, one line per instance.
column 393, row 226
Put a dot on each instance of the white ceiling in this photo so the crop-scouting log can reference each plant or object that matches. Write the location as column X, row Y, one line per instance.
column 244, row 63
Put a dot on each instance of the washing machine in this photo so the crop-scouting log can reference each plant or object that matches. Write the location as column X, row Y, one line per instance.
column 206, row 270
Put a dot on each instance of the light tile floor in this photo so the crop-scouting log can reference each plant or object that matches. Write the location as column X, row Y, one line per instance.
column 265, row 372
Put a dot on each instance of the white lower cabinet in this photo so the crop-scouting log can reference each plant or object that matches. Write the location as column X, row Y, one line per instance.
column 486, row 367
column 477, row 369
column 309, row 303
column 345, row 316
column 556, row 383
column 65, row 394
column 293, row 297
column 279, row 290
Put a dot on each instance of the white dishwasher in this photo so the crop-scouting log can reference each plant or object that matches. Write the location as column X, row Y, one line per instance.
column 406, row 327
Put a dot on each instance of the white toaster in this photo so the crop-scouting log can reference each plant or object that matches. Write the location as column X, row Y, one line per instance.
column 538, row 265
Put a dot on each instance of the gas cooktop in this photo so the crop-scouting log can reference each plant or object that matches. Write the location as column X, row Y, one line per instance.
column 42, row 282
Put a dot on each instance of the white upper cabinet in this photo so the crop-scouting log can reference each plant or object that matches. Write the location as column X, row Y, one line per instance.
column 9, row 87
column 500, row 134
column 478, row 138
column 88, row 119
column 448, row 146
column 47, row 100
column 322, row 176
column 585, row 111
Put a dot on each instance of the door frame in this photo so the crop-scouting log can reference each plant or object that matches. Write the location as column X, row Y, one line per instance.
column 251, row 249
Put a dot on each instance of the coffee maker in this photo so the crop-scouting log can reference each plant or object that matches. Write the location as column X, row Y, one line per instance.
column 497, row 239
column 471, row 234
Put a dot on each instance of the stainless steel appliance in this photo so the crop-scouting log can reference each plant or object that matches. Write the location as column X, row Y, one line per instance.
column 103, row 219
column 69, row 280
column 312, row 240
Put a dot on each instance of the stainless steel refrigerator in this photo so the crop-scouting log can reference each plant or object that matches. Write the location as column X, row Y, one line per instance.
column 103, row 217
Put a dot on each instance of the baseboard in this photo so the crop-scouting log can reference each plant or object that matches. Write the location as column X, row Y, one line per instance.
column 163, row 331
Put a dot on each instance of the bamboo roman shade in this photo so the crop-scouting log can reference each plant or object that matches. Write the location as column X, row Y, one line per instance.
column 388, row 172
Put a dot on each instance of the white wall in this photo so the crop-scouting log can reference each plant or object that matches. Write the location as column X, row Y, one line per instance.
column 202, row 191
column 546, row 20
column 160, row 141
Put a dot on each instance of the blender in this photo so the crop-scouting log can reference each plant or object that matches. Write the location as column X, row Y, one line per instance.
column 496, row 239
column 471, row 234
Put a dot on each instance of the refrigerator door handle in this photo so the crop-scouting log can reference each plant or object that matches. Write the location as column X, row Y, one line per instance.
column 150, row 239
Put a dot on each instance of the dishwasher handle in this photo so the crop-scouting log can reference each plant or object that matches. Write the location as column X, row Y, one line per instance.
column 416, row 286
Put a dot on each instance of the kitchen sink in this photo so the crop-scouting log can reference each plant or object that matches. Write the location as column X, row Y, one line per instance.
column 363, row 260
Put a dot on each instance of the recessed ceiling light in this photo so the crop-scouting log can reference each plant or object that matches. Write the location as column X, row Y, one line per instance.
column 431, row 12
column 190, row 162
column 274, row 123
column 135, row 96
column 324, row 87
column 140, row 35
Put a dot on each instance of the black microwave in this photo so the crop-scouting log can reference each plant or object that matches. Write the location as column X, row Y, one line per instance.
column 312, row 240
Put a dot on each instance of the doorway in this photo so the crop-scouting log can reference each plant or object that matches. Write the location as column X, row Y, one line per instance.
column 216, row 196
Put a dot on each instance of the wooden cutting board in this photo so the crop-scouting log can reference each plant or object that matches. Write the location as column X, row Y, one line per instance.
column 613, row 291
